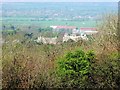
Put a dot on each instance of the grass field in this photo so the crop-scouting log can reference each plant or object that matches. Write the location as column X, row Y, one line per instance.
column 24, row 21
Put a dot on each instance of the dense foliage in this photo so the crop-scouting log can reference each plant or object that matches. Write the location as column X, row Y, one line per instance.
column 27, row 64
column 74, row 68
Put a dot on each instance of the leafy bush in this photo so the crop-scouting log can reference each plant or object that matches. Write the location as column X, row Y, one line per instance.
column 74, row 68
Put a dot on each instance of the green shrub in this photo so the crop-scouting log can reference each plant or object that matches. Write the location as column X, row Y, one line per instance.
column 74, row 68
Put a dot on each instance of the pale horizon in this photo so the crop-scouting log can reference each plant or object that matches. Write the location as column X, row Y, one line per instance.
column 60, row 0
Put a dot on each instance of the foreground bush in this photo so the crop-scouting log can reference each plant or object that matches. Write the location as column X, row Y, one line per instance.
column 74, row 68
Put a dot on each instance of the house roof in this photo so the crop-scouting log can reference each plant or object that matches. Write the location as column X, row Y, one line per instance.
column 88, row 29
column 65, row 27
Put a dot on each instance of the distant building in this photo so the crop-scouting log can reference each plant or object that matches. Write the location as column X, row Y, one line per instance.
column 75, row 31
column 66, row 37
column 45, row 40
column 89, row 31
column 64, row 27
column 67, row 29
column 54, row 27
column 75, row 37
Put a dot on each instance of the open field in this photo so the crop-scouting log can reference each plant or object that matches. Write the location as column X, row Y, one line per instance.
column 49, row 23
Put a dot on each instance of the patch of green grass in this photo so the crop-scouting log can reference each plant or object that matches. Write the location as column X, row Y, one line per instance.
column 50, row 23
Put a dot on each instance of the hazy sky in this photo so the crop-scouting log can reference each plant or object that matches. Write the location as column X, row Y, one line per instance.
column 60, row 0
